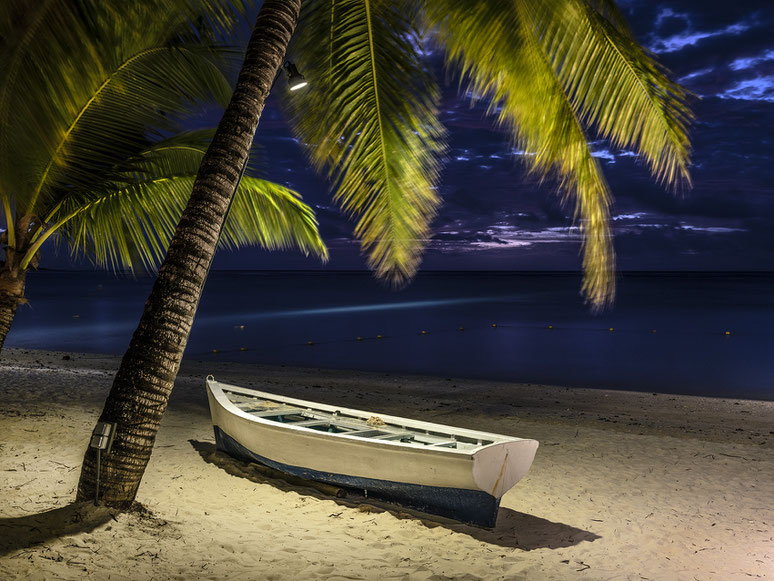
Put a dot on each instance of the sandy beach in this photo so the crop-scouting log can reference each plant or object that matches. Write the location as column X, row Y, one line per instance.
column 624, row 486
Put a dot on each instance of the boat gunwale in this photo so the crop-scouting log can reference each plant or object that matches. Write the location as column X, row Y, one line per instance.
column 219, row 393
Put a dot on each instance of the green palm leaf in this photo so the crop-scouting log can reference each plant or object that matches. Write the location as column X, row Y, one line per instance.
column 615, row 85
column 371, row 119
column 273, row 217
column 500, row 54
column 131, row 226
column 93, row 93
column 128, row 223
column 181, row 154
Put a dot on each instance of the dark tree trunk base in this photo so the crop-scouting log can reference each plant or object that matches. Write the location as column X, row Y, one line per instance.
column 11, row 294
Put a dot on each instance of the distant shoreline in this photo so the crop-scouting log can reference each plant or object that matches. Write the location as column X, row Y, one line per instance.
column 637, row 412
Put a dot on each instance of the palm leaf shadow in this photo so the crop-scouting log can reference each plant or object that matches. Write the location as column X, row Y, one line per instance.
column 23, row 532
column 513, row 529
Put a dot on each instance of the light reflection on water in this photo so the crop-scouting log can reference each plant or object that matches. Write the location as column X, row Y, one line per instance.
column 275, row 315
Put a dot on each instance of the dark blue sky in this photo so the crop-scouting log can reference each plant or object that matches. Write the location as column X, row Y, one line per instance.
column 494, row 217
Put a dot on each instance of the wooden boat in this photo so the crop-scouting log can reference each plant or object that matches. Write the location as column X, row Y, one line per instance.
column 452, row 472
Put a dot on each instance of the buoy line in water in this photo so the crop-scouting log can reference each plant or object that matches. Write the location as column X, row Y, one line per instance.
column 493, row 326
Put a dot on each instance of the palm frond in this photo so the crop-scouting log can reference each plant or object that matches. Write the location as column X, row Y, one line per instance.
column 32, row 32
column 210, row 21
column 370, row 119
column 8, row 221
column 173, row 157
column 615, row 85
column 608, row 9
column 502, row 59
column 131, row 226
column 273, row 217
column 99, row 79
column 181, row 154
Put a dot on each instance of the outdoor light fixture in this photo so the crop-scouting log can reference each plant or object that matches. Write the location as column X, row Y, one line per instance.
column 101, row 439
column 295, row 79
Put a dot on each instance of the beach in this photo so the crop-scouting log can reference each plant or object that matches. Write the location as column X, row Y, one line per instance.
column 625, row 485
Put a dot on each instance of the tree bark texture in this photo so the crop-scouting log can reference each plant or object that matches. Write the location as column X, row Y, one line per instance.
column 145, row 378
column 11, row 294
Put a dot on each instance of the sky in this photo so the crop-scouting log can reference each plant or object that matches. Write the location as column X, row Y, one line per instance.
column 495, row 217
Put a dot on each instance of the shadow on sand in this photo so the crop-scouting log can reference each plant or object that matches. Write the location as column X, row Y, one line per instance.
column 22, row 532
column 513, row 529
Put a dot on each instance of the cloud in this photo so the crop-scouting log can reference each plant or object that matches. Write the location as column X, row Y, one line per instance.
column 605, row 154
column 679, row 41
column 501, row 236
column 752, row 62
column 696, row 74
column 757, row 89
column 634, row 216
column 710, row 229
column 669, row 23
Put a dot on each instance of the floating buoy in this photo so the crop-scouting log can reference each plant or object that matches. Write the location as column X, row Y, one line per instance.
column 610, row 329
column 653, row 331
column 359, row 338
column 550, row 326
column 310, row 343
column 728, row 332
column 215, row 351
column 494, row 324
column 380, row 336
column 461, row 329
column 424, row 332
column 241, row 327
column 243, row 348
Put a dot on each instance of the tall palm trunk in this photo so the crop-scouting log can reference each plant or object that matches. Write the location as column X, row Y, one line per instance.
column 11, row 294
column 147, row 372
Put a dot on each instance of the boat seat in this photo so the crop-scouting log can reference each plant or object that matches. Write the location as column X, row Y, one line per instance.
column 262, row 412
column 443, row 443
column 362, row 433
column 395, row 436
column 310, row 423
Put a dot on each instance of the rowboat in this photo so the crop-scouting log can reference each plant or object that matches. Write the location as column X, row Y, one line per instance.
column 452, row 472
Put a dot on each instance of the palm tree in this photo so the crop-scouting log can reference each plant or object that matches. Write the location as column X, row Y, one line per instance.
column 141, row 388
column 552, row 70
column 89, row 94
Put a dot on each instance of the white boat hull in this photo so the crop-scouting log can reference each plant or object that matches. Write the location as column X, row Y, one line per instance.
column 461, row 484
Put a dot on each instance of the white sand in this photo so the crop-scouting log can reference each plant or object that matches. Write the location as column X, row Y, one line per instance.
column 624, row 486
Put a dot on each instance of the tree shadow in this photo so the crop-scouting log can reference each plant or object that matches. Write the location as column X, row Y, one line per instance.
column 512, row 529
column 22, row 532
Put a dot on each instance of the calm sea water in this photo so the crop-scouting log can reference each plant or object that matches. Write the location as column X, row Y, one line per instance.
column 702, row 334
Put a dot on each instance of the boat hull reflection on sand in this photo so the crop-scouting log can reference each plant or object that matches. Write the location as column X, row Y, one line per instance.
column 452, row 472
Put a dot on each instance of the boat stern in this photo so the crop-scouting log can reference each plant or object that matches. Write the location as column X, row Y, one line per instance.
column 498, row 467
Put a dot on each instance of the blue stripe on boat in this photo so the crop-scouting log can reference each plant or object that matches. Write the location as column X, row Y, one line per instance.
column 468, row 506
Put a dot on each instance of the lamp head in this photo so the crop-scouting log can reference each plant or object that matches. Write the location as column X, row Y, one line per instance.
column 295, row 79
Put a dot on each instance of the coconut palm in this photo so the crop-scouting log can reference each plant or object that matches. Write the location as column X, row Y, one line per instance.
column 554, row 71
column 90, row 93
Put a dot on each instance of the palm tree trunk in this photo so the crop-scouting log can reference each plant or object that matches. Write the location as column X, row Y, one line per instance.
column 11, row 294
column 147, row 372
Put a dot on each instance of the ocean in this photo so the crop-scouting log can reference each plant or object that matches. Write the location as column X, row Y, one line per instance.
column 708, row 334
